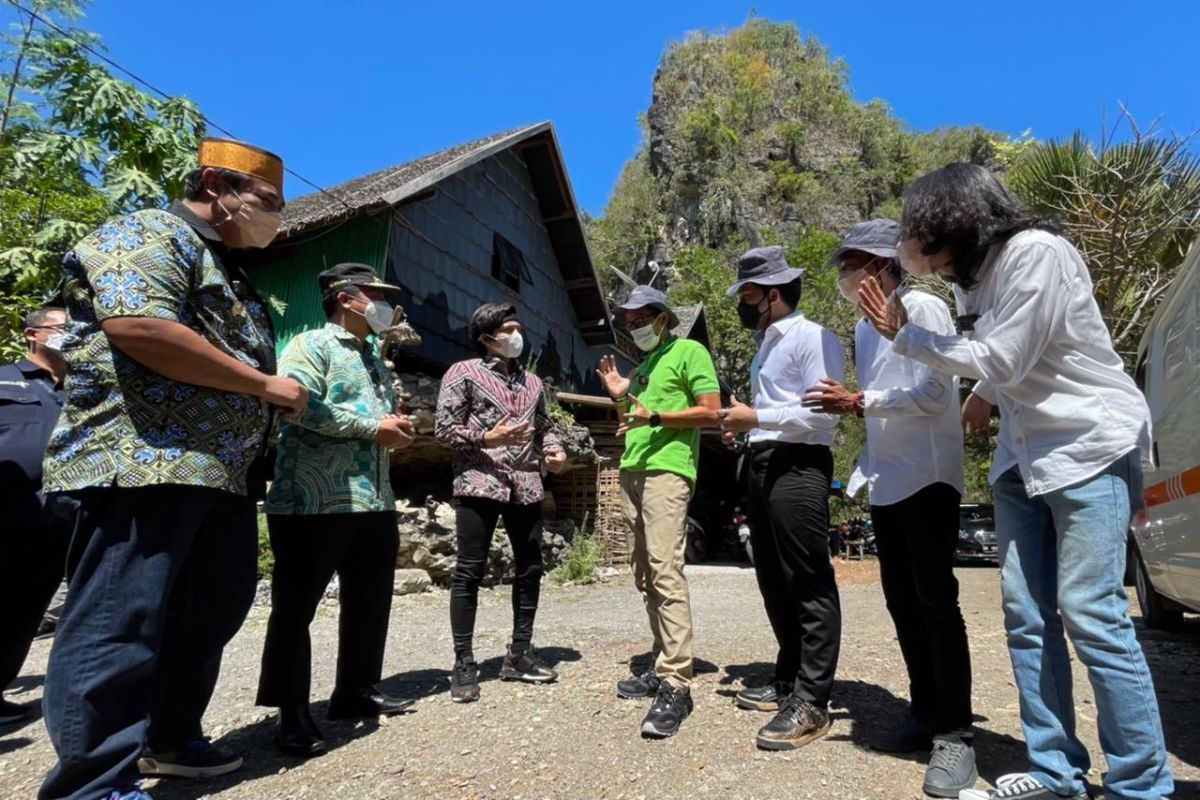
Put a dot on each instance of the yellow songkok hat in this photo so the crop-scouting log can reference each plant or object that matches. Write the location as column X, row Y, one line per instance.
column 242, row 157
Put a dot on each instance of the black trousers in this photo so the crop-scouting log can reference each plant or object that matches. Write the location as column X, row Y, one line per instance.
column 35, row 559
column 160, row 579
column 309, row 549
column 788, row 498
column 476, row 522
column 916, row 539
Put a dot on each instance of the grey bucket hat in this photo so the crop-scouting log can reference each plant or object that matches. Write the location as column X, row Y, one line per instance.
column 879, row 237
column 643, row 297
column 764, row 266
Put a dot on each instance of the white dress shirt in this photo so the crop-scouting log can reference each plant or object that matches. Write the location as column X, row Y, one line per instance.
column 1042, row 352
column 914, row 436
column 794, row 355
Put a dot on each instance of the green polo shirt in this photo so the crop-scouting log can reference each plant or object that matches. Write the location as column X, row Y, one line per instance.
column 670, row 379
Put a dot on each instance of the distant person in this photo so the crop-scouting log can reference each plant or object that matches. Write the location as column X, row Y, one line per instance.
column 790, row 472
column 170, row 375
column 331, row 510
column 1066, row 476
column 34, row 542
column 665, row 401
column 912, row 466
column 493, row 414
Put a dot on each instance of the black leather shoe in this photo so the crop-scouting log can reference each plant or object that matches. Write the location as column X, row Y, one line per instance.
column 763, row 698
column 11, row 713
column 297, row 734
column 367, row 702
column 910, row 736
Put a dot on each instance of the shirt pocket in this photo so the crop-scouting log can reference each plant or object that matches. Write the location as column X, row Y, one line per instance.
column 19, row 405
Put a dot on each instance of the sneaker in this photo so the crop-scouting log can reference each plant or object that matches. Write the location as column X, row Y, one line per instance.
column 1018, row 786
column 644, row 685
column 524, row 665
column 910, row 736
column 132, row 793
column 763, row 698
column 671, row 707
column 464, row 681
column 12, row 713
column 198, row 759
column 951, row 766
column 795, row 725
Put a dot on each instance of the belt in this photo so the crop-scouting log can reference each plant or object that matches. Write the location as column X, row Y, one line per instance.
column 763, row 447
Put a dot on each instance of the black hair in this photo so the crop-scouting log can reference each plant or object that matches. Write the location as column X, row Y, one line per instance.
column 193, row 182
column 789, row 293
column 964, row 209
column 486, row 320
column 39, row 316
column 330, row 305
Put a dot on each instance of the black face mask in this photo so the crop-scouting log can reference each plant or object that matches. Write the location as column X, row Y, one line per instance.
column 749, row 314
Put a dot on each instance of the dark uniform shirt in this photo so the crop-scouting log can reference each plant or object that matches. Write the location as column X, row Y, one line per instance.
column 126, row 425
column 29, row 404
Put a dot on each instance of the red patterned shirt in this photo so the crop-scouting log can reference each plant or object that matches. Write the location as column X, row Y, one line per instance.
column 475, row 395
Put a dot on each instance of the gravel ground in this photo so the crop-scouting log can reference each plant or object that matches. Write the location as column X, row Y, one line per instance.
column 577, row 739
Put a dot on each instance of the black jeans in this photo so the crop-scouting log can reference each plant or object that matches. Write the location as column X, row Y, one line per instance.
column 309, row 549
column 35, row 555
column 160, row 579
column 788, row 501
column 916, row 539
column 476, row 522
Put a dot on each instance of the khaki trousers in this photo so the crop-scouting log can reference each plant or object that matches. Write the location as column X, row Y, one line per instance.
column 655, row 506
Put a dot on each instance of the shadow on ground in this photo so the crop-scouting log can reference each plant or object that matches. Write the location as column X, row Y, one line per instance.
column 1174, row 659
column 871, row 709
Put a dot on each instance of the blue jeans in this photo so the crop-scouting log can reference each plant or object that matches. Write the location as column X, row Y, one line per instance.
column 1062, row 562
column 159, row 580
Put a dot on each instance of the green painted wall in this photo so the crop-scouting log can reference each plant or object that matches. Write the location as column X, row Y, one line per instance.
column 291, row 283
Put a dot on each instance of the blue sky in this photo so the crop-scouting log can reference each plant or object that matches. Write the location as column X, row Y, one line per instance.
column 343, row 88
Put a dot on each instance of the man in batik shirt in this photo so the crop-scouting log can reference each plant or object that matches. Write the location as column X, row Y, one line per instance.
column 169, row 380
column 492, row 414
column 331, row 510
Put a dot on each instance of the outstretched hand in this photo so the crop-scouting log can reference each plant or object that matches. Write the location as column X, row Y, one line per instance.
column 616, row 384
column 830, row 397
column 887, row 314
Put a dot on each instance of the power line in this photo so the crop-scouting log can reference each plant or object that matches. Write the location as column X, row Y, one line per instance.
column 137, row 78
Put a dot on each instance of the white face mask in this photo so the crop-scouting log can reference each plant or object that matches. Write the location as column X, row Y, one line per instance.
column 378, row 315
column 257, row 227
column 848, row 283
column 912, row 260
column 646, row 338
column 510, row 346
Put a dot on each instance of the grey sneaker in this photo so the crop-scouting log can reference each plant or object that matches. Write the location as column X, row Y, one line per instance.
column 1018, row 786
column 951, row 766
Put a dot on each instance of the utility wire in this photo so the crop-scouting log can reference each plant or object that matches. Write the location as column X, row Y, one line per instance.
column 210, row 123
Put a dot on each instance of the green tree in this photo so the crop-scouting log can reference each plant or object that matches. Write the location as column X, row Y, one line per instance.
column 77, row 146
column 1132, row 207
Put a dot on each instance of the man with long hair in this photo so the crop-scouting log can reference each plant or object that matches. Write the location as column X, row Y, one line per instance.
column 1067, row 474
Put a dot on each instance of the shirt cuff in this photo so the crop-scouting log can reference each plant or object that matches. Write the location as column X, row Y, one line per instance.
column 985, row 391
column 911, row 337
column 872, row 401
column 770, row 418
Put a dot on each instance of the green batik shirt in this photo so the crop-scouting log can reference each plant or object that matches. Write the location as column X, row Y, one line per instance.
column 123, row 424
column 328, row 462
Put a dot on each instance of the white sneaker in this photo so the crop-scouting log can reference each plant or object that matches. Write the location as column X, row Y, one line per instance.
column 1018, row 786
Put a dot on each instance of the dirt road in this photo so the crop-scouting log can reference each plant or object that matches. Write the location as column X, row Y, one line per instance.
column 576, row 739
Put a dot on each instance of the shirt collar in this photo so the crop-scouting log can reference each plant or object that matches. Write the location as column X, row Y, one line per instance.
column 343, row 335
column 32, row 370
column 204, row 229
column 782, row 326
column 497, row 365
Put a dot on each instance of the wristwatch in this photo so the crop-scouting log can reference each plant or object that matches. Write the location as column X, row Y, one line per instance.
column 655, row 419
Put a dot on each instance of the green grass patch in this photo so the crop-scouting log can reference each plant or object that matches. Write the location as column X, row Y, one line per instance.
column 583, row 556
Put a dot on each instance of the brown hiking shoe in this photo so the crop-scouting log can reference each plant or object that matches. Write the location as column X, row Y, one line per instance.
column 797, row 723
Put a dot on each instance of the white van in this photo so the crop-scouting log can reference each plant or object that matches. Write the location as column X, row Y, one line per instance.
column 1166, row 546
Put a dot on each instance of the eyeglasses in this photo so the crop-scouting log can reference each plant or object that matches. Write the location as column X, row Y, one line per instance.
column 56, row 328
